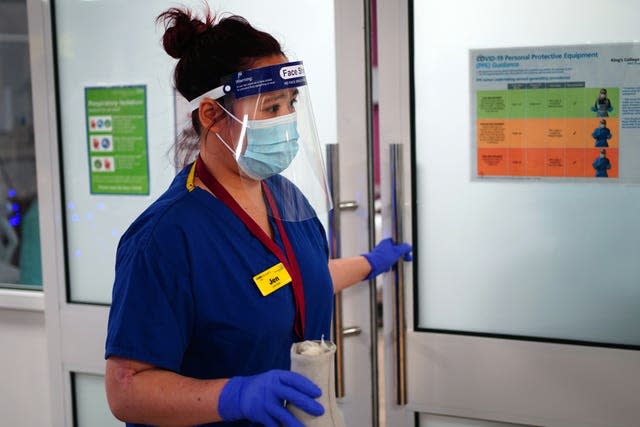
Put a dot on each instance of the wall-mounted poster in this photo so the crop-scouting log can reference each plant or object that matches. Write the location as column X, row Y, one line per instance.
column 565, row 112
column 116, row 119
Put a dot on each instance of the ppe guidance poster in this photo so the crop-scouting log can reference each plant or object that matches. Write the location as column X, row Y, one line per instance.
column 116, row 120
column 567, row 112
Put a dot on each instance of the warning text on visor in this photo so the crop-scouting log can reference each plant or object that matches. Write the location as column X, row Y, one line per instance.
column 267, row 79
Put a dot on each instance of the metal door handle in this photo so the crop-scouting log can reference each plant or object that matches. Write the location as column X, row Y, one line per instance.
column 400, row 327
column 350, row 205
column 351, row 331
column 333, row 167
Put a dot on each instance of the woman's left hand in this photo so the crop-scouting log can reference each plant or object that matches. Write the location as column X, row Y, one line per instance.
column 385, row 255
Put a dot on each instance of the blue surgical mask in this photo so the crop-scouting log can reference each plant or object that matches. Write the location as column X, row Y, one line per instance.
column 601, row 126
column 272, row 145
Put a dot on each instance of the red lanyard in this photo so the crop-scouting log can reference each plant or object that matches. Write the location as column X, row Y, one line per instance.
column 289, row 261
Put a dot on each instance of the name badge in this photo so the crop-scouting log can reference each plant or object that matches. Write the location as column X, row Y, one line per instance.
column 272, row 279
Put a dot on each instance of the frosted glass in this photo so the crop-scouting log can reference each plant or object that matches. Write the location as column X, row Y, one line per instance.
column 531, row 258
column 20, row 264
column 91, row 407
column 98, row 44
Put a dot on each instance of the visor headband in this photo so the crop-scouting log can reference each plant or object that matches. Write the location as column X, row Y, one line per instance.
column 216, row 93
column 256, row 81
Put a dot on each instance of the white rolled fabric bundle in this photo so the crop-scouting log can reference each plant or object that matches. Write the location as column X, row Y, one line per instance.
column 315, row 360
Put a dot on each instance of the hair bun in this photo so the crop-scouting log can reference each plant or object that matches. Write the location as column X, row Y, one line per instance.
column 180, row 31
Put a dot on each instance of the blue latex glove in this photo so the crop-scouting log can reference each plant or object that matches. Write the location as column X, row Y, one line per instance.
column 260, row 398
column 385, row 255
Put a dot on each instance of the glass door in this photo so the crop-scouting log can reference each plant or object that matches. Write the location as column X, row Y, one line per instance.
column 522, row 298
column 90, row 53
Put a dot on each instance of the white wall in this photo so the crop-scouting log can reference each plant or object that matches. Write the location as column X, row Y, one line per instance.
column 24, row 377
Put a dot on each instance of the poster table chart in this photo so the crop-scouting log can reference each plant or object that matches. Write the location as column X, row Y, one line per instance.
column 542, row 130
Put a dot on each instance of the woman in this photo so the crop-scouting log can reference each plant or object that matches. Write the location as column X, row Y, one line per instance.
column 602, row 107
column 229, row 267
column 602, row 164
column 602, row 134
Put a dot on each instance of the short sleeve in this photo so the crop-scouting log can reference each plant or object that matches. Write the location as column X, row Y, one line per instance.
column 151, row 316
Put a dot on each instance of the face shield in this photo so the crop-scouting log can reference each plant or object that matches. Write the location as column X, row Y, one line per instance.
column 272, row 137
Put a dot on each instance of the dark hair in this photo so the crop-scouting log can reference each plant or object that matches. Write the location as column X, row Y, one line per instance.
column 206, row 51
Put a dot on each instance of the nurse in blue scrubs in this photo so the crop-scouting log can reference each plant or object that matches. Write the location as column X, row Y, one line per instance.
column 229, row 267
column 602, row 164
column 602, row 134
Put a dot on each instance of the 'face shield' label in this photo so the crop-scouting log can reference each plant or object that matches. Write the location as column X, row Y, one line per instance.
column 292, row 72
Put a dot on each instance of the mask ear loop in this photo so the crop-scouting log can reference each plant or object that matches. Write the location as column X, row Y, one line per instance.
column 243, row 131
column 215, row 94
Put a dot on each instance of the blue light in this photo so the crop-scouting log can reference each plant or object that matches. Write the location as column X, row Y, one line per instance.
column 15, row 207
column 11, row 193
column 14, row 221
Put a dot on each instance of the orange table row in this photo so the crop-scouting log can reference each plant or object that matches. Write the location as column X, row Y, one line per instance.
column 542, row 133
column 543, row 162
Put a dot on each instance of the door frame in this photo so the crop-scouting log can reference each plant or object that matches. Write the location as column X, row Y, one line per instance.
column 76, row 332
column 394, row 116
column 361, row 402
column 517, row 381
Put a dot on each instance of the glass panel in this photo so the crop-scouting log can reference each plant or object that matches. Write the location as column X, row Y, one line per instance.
column 20, row 265
column 90, row 402
column 550, row 259
column 97, row 47
column 429, row 420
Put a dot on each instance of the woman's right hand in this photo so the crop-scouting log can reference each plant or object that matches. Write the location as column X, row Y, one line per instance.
column 261, row 398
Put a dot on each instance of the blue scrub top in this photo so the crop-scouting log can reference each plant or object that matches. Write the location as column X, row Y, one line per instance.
column 602, row 136
column 184, row 298
column 601, row 165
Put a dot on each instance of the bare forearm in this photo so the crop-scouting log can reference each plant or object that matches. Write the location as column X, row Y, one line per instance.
column 346, row 272
column 159, row 397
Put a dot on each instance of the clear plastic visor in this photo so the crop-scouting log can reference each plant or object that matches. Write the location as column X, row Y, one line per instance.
column 271, row 136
